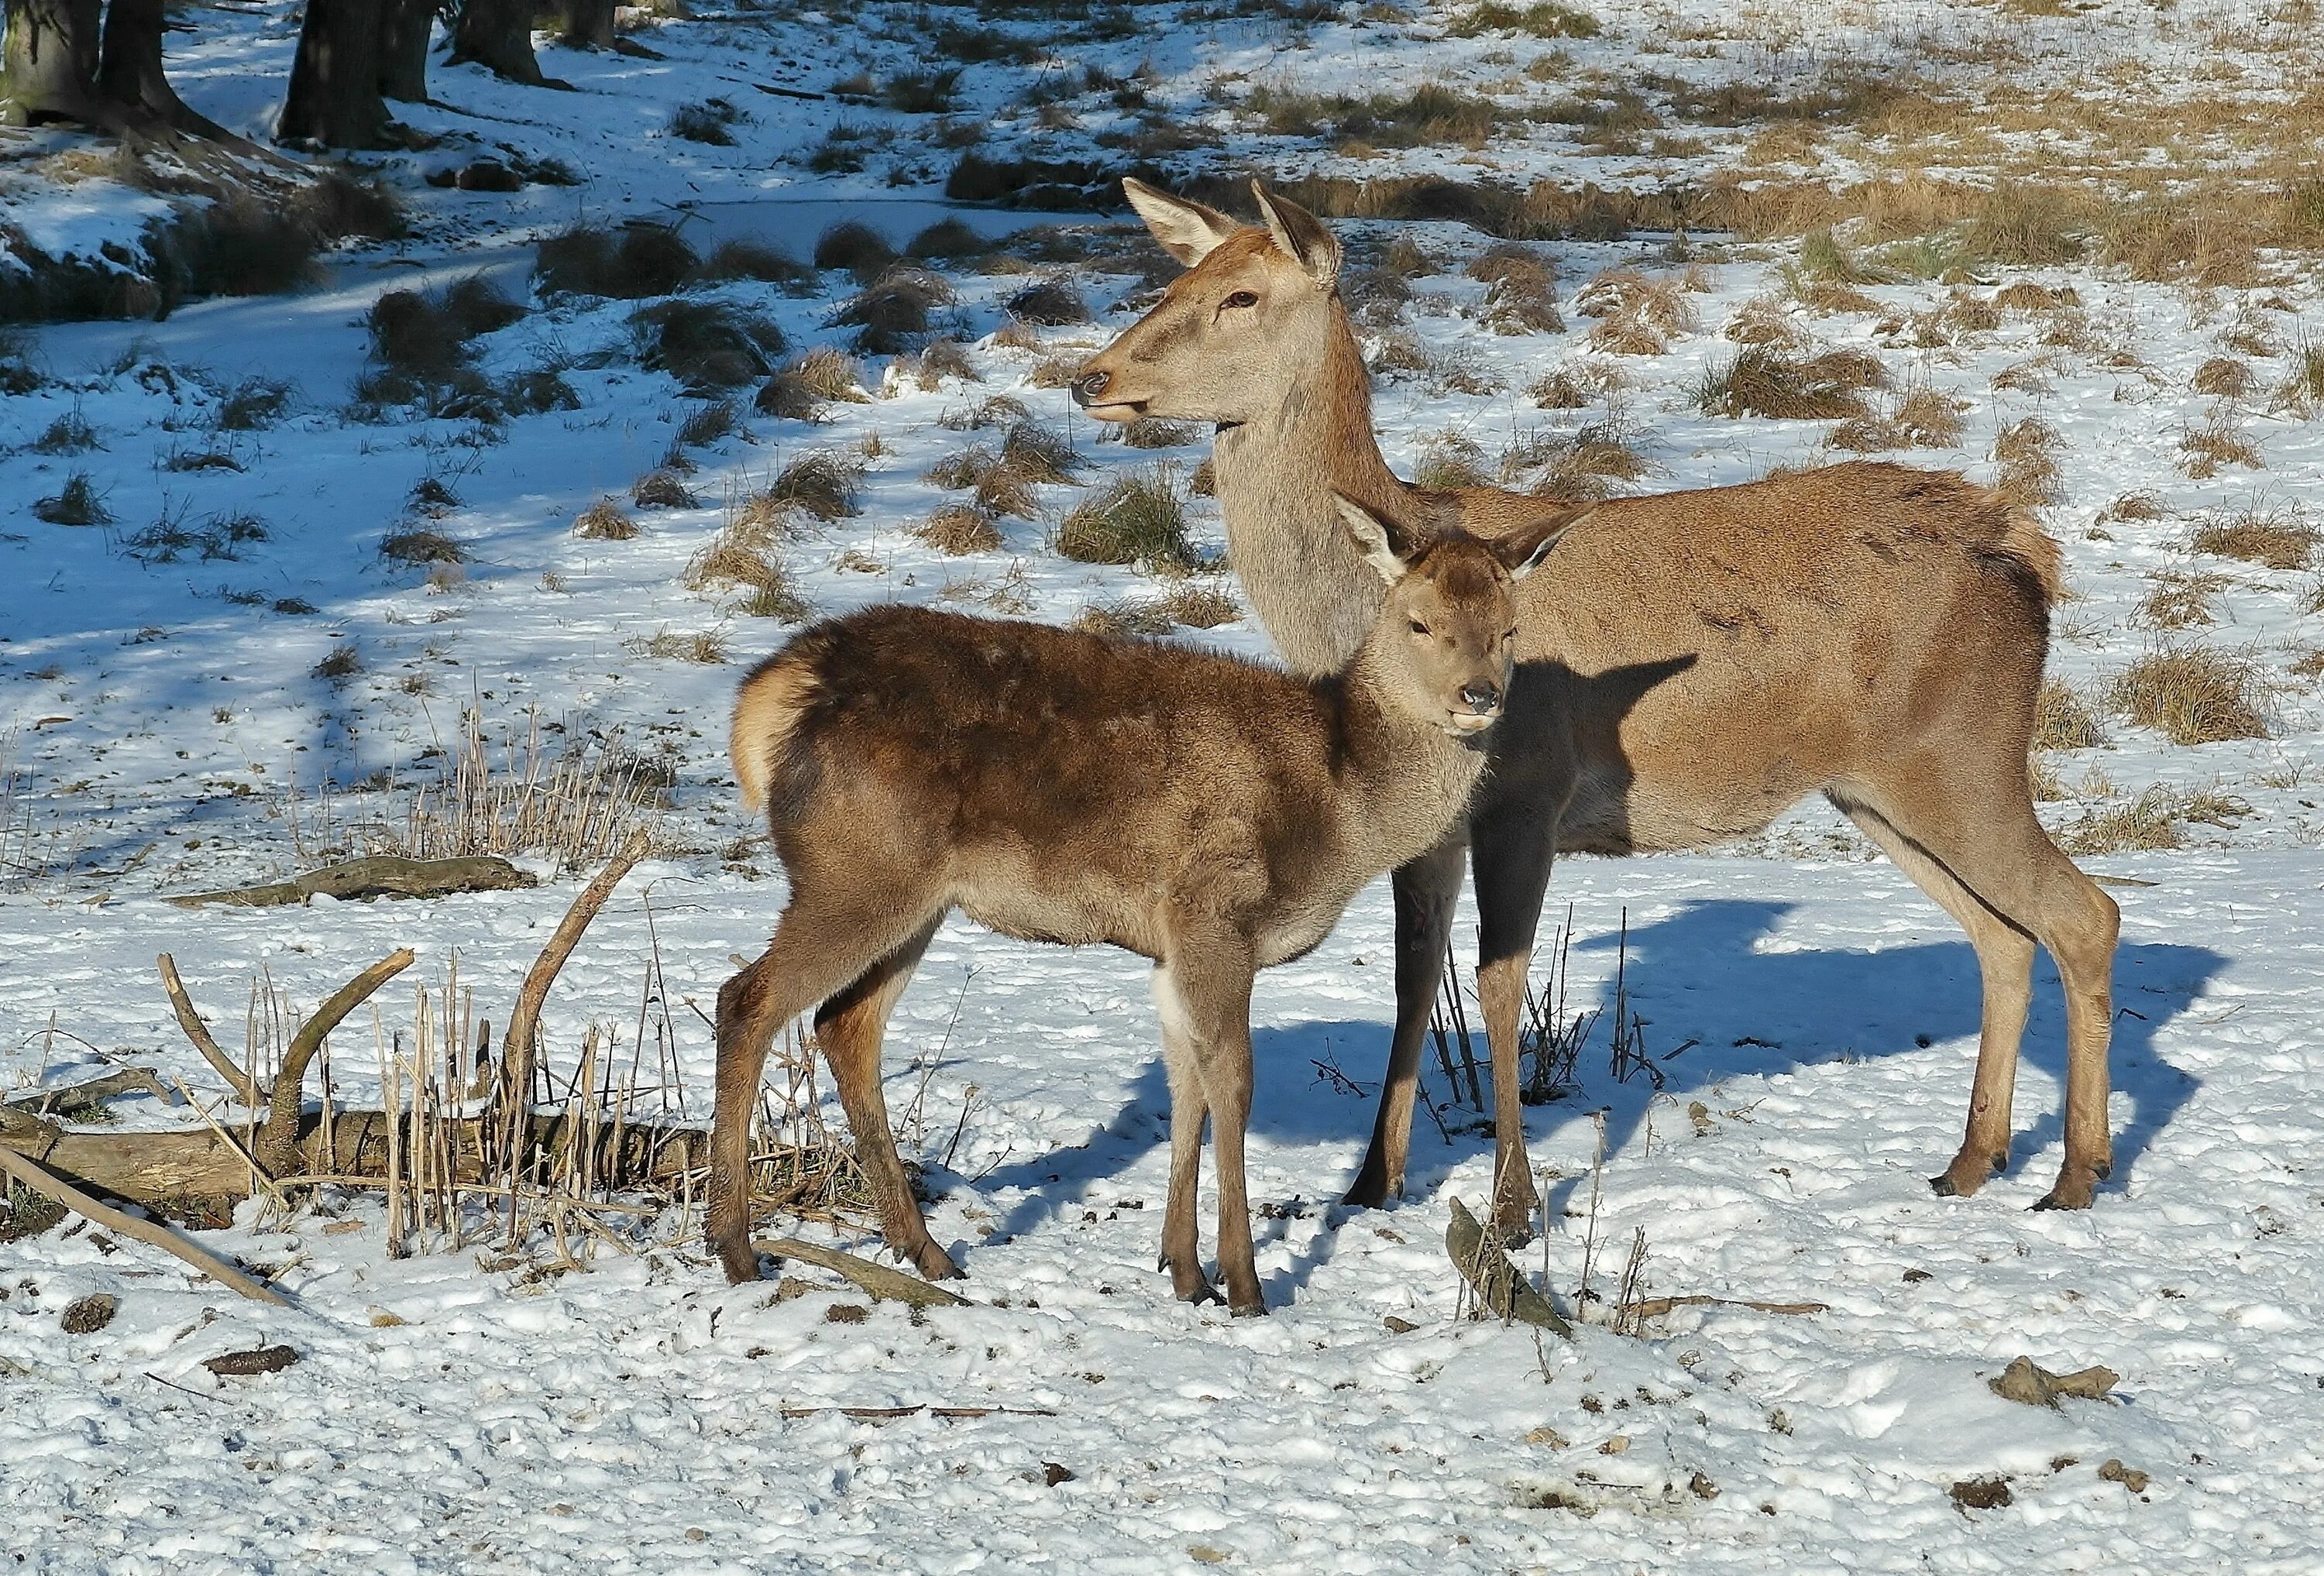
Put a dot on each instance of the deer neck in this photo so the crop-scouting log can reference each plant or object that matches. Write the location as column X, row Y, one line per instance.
column 1274, row 476
column 1407, row 779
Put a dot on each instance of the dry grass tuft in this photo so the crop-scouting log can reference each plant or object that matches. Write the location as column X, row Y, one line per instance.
column 1762, row 320
column 823, row 483
column 661, row 489
column 1579, row 468
column 892, row 314
column 643, row 260
column 1153, row 432
column 708, row 423
column 1048, row 303
column 418, row 547
column 77, row 503
column 2225, row 377
column 2217, row 442
column 959, row 528
column 1523, row 294
column 603, row 522
column 2192, row 695
column 2279, row 539
column 2150, row 822
column 2063, row 720
column 2027, row 451
column 1138, row 519
column 855, row 246
column 2132, row 506
column 707, row 346
column 2178, row 600
column 1759, row 382
column 823, row 375
column 706, row 647
column 1189, row 606
column 1452, row 459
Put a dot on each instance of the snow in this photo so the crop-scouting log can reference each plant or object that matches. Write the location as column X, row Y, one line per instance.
column 460, row 1411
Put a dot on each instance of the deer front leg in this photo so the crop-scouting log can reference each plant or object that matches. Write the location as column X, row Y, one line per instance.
column 1512, row 851
column 1211, row 971
column 1182, row 1253
column 1426, row 889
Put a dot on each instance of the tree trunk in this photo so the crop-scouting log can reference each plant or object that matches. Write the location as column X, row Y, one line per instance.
column 335, row 97
column 588, row 25
column 404, row 26
column 48, row 63
column 130, row 73
column 497, row 34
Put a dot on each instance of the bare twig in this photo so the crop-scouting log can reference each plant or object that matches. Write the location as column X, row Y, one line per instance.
column 244, row 1088
column 40, row 1179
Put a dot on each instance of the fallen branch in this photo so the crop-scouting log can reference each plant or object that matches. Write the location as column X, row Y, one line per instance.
column 388, row 875
column 1501, row 1289
column 1655, row 1307
column 126, row 1081
column 516, row 1045
column 878, row 1279
column 884, row 1414
column 244, row 1090
column 40, row 1179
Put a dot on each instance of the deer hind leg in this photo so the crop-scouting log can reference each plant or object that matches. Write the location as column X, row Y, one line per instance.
column 1182, row 1253
column 1211, row 973
column 1512, row 854
column 1426, row 889
column 850, row 1027
column 2005, row 959
column 1980, row 851
column 818, row 947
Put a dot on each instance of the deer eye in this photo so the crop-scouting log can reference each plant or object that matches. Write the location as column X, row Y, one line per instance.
column 1242, row 298
column 1418, row 628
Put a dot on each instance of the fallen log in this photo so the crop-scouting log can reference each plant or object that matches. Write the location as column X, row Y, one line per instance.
column 378, row 876
column 41, row 1180
column 882, row 1282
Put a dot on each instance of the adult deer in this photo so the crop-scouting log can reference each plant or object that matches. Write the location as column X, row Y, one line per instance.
column 1703, row 660
column 1211, row 815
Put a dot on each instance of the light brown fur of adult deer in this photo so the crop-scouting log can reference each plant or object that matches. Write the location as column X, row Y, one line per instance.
column 1700, row 661
column 1209, row 814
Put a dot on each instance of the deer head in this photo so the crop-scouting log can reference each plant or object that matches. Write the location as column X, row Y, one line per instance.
column 1233, row 337
column 1445, row 644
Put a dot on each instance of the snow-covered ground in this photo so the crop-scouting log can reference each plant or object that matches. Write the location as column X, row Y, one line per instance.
column 167, row 730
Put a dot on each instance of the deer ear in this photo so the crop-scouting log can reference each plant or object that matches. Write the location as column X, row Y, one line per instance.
column 1383, row 546
column 1301, row 234
column 1522, row 553
column 1187, row 230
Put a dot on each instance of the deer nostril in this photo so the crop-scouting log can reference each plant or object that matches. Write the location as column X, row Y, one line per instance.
column 1482, row 698
column 1089, row 387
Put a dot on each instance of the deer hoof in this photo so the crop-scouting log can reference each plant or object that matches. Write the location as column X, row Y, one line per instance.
column 741, row 1264
column 2062, row 1197
column 1942, row 1186
column 1367, row 1192
column 935, row 1264
column 1248, row 1311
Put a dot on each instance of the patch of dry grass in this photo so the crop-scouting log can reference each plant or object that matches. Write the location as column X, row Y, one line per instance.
column 661, row 488
column 706, row 647
column 1138, row 518
column 603, row 522
column 2150, row 822
column 1760, row 381
column 2279, row 539
column 1452, row 459
column 2192, row 695
column 2063, row 720
column 2225, row 377
column 959, row 528
column 2178, row 600
column 2028, row 451
column 2217, row 442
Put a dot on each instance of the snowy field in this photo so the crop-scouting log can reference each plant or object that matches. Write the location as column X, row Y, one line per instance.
column 220, row 677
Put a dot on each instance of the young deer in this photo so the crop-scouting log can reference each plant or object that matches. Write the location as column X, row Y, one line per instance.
column 1211, row 815
column 1702, row 661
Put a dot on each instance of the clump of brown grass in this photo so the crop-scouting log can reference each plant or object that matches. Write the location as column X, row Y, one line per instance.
column 1762, row 320
column 823, row 483
column 748, row 556
column 2025, row 296
column 1192, row 605
column 2179, row 599
column 891, row 314
column 1523, row 294
column 603, row 522
column 707, row 346
column 2150, row 822
column 2225, row 377
column 799, row 392
column 1760, row 381
column 2217, row 442
column 661, row 488
column 579, row 802
column 2279, row 539
column 2063, row 720
column 959, row 528
column 2192, row 695
column 708, row 423
column 2302, row 388
column 2027, row 451
column 1580, row 467
column 1048, row 303
column 706, row 647
column 416, row 547
column 1032, row 455
column 1155, row 432
column 1138, row 519
column 2132, row 506
column 999, row 410
column 1452, row 459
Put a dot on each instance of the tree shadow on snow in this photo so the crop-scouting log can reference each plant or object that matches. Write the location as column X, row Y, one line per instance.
column 1698, row 976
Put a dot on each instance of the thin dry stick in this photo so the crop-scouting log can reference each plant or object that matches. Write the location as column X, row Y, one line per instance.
column 260, row 1181
column 40, row 1179
column 199, row 1032
column 1655, row 1307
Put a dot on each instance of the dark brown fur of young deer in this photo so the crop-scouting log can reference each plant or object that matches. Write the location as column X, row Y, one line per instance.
column 1700, row 661
column 1209, row 814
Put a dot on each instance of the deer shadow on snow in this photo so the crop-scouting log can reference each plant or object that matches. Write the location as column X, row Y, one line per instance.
column 1697, row 976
